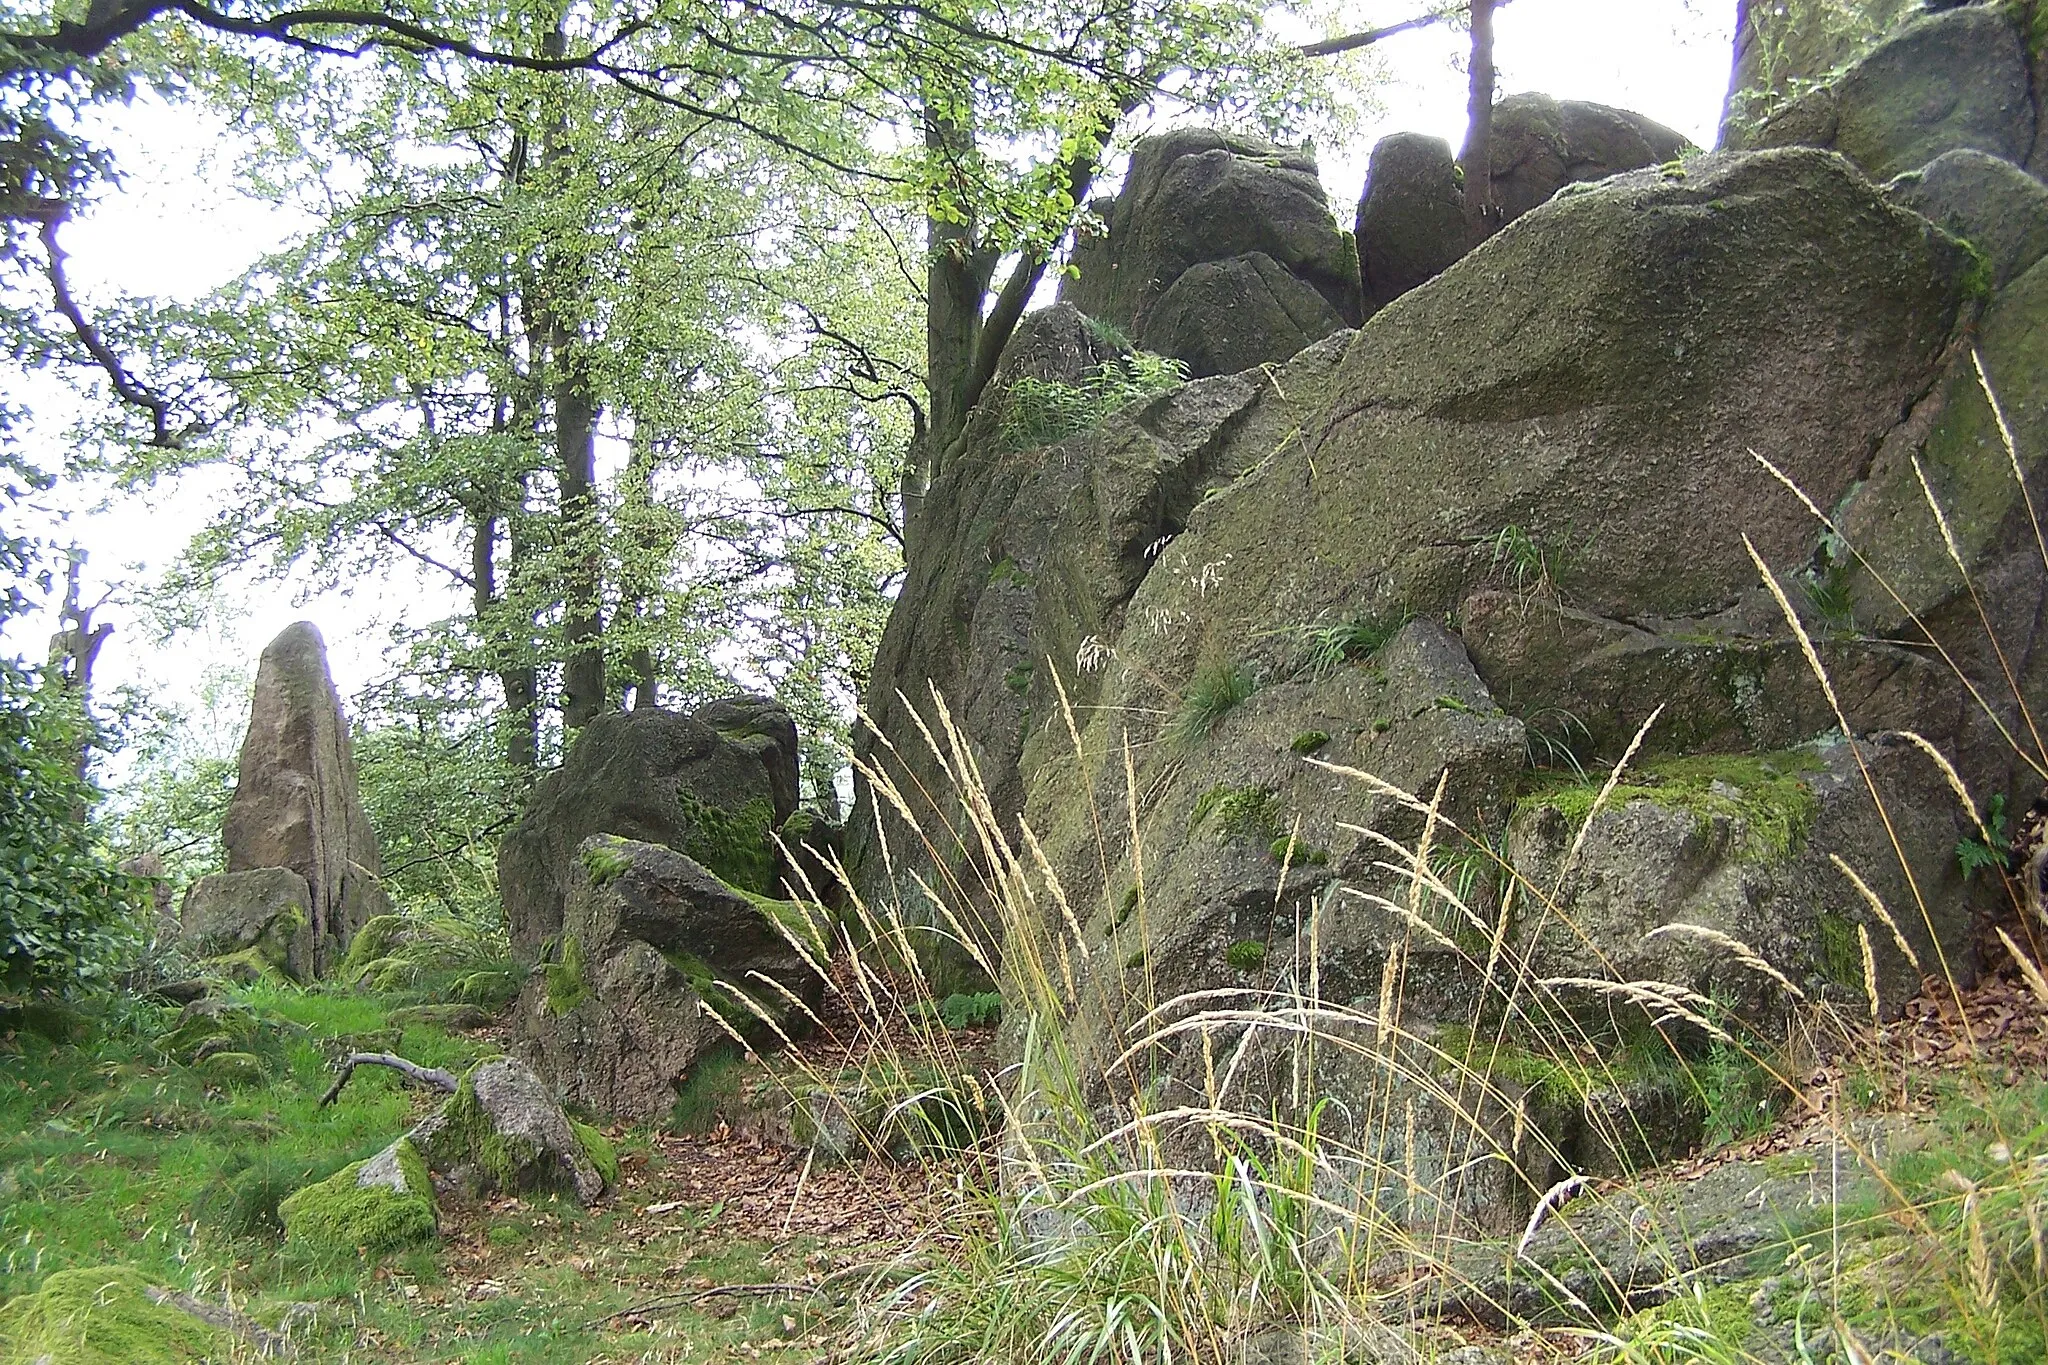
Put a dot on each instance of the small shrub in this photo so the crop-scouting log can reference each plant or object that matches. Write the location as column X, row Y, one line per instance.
column 1215, row 691
column 1041, row 412
column 958, row 1011
column 1973, row 854
column 1309, row 741
column 1246, row 955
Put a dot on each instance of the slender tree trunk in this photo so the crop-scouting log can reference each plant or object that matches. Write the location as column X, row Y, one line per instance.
column 957, row 277
column 576, row 414
column 1480, row 216
column 74, row 650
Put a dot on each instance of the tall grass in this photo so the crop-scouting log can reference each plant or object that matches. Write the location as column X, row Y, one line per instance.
column 1110, row 1218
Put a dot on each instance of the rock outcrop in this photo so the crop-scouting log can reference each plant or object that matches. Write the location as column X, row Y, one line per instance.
column 1540, row 462
column 263, row 915
column 1220, row 251
column 1943, row 82
column 295, row 804
column 1411, row 217
column 1988, row 202
column 616, row 1016
column 713, row 785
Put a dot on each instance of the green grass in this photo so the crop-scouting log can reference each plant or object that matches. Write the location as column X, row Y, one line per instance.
column 1214, row 692
column 1040, row 412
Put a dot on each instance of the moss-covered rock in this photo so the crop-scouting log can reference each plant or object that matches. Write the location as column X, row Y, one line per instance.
column 598, row 1148
column 504, row 1131
column 103, row 1315
column 374, row 1206
column 374, row 941
column 213, row 1023
column 262, row 918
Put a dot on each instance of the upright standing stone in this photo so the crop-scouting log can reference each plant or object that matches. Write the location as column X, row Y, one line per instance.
column 295, row 803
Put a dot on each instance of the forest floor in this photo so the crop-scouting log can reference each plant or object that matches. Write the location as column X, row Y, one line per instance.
column 717, row 1244
column 710, row 1249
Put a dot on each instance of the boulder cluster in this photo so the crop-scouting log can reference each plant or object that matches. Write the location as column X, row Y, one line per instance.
column 1481, row 517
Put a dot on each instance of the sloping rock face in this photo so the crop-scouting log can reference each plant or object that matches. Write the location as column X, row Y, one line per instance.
column 1540, row 462
column 1959, row 79
column 617, row 1015
column 295, row 804
column 712, row 784
column 1411, row 217
column 1988, row 202
column 1215, row 233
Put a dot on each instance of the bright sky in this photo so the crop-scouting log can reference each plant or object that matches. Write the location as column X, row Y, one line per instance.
column 176, row 230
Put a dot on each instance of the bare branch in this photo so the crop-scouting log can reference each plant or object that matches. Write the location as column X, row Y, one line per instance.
column 432, row 1077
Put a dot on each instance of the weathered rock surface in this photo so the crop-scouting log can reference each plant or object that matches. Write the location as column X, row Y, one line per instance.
column 504, row 1132
column 373, row 1206
column 264, row 912
column 1411, row 217
column 616, row 1018
column 295, row 804
column 711, row 784
column 1546, row 450
column 1196, row 197
column 1940, row 83
column 1539, row 145
column 1988, row 202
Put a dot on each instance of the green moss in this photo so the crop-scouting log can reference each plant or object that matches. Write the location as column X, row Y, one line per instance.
column 1246, row 955
column 1126, row 907
column 340, row 1215
column 566, row 988
column 707, row 1093
column 1764, row 795
column 504, row 1161
column 1006, row 571
column 1249, row 811
column 1018, row 679
column 377, row 938
column 599, row 1149
column 1308, row 741
column 234, row 1024
column 1841, row 951
column 101, row 1315
column 1301, row 856
column 605, row 860
column 734, row 844
column 1979, row 282
column 1721, row 1313
column 244, row 968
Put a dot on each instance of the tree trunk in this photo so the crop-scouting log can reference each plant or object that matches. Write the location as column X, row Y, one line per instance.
column 1478, row 158
column 957, row 275
column 74, row 649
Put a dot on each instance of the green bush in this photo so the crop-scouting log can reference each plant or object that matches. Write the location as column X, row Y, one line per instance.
column 1215, row 691
column 1039, row 412
column 68, row 918
column 971, row 1011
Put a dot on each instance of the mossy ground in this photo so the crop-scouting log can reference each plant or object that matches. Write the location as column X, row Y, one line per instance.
column 100, row 1315
column 115, row 1154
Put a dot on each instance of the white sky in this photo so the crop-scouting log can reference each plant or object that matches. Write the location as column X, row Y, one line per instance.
column 176, row 230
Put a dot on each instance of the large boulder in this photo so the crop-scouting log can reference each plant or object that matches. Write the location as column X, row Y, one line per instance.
column 1200, row 196
column 1142, row 630
column 264, row 915
column 1985, row 200
column 1782, row 48
column 1411, row 218
column 1946, row 81
column 1539, row 145
column 651, row 940
column 713, row 784
column 296, row 804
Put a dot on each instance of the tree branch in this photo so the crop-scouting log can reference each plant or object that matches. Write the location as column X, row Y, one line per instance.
column 1351, row 42
column 431, row 1077
column 125, row 385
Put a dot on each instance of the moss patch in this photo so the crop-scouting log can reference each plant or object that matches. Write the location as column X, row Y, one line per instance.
column 1246, row 955
column 1764, row 795
column 598, row 1148
column 1309, row 741
column 566, row 988
column 341, row 1215
column 605, row 861
column 1250, row 811
column 734, row 844
column 100, row 1315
